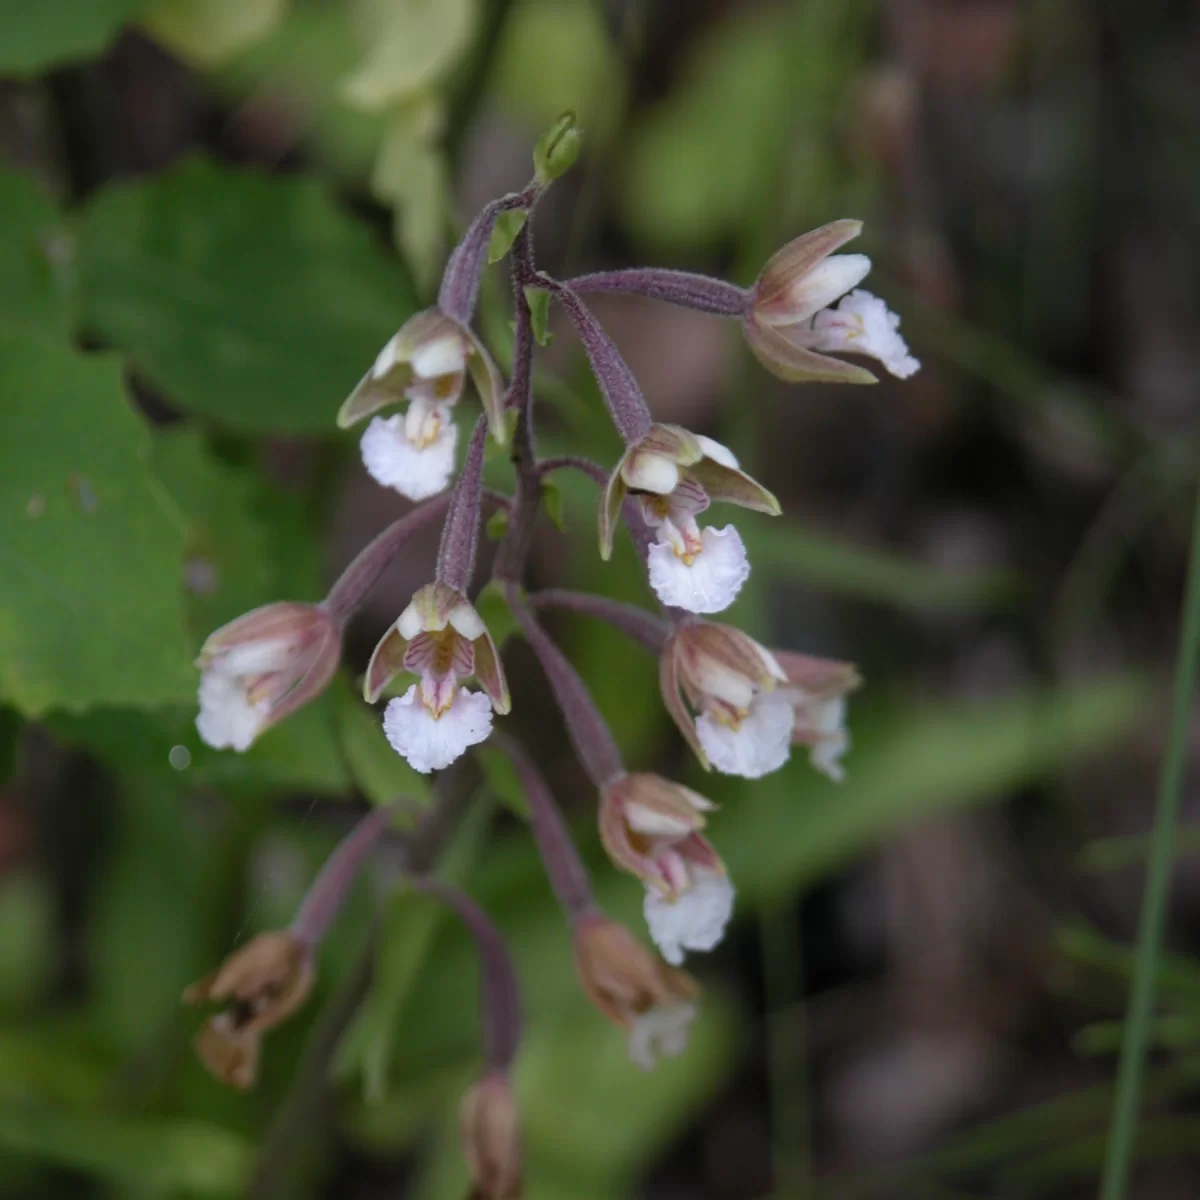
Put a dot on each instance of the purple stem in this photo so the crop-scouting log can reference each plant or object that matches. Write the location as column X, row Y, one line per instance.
column 643, row 627
column 683, row 288
column 575, row 462
column 460, row 534
column 459, row 291
column 565, row 869
column 624, row 397
column 589, row 733
column 328, row 892
column 357, row 580
column 500, row 998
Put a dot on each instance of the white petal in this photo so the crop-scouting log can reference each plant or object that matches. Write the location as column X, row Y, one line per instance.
column 658, row 824
column 392, row 460
column 255, row 658
column 713, row 579
column 830, row 278
column 655, row 473
column 430, row 743
column 227, row 719
column 718, row 453
column 443, row 356
column 696, row 920
column 758, row 746
column 829, row 719
column 661, row 1031
column 863, row 324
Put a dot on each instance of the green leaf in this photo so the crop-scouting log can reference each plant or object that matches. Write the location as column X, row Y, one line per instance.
column 800, row 827
column 135, row 1151
column 787, row 550
column 557, row 149
column 497, row 525
column 206, row 32
column 91, row 550
column 410, row 45
column 508, row 225
column 248, row 298
column 493, row 608
column 228, row 570
column 36, row 256
column 58, row 31
column 538, row 300
column 552, row 499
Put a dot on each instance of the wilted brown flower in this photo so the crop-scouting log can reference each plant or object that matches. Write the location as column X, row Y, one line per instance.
column 489, row 1123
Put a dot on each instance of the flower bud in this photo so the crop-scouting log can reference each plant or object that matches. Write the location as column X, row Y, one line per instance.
column 792, row 327
column 635, row 989
column 557, row 149
column 262, row 667
column 263, row 983
column 489, row 1124
column 441, row 639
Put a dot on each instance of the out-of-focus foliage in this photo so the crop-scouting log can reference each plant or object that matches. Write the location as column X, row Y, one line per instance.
column 192, row 278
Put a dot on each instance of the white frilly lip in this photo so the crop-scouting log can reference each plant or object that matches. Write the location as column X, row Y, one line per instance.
column 227, row 719
column 829, row 720
column 758, row 745
column 415, row 471
column 696, row 920
column 863, row 324
column 661, row 1031
column 429, row 743
column 711, row 581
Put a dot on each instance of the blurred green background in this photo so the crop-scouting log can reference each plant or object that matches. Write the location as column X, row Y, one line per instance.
column 212, row 215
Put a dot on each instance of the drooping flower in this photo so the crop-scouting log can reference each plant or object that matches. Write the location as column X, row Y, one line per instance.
column 675, row 475
column 260, row 668
column 792, row 325
column 425, row 363
column 489, row 1125
column 651, row 828
column 263, row 983
column 653, row 1002
column 741, row 707
column 441, row 639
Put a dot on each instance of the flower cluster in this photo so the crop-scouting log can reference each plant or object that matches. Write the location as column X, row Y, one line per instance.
column 740, row 706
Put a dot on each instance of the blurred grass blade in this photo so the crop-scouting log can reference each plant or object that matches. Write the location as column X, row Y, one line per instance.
column 1131, row 850
column 1154, row 905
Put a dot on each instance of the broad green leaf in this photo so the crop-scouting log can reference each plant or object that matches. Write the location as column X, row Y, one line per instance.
column 207, row 32
column 247, row 298
column 410, row 176
column 552, row 501
column 228, row 570
column 409, row 45
column 36, row 255
column 538, row 300
column 91, row 549
column 57, row 31
column 185, row 1156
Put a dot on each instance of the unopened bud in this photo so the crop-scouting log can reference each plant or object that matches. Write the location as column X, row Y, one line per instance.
column 262, row 984
column 261, row 668
column 557, row 149
column 489, row 1123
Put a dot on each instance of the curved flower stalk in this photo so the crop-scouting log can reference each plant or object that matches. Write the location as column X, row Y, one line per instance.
column 441, row 639
column 674, row 475
column 751, row 704
column 425, row 364
column 792, row 323
column 651, row 828
column 262, row 667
